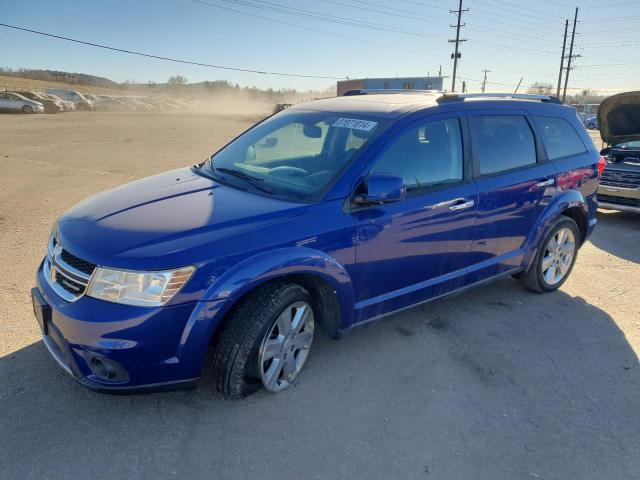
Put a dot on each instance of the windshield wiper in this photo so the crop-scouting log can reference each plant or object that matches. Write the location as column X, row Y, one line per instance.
column 251, row 180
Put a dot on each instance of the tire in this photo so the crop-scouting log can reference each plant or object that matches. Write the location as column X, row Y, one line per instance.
column 249, row 332
column 27, row 109
column 540, row 277
column 591, row 126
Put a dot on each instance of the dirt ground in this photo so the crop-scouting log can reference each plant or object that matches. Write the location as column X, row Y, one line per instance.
column 496, row 383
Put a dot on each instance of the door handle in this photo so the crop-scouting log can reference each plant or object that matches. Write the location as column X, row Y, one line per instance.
column 461, row 204
column 545, row 183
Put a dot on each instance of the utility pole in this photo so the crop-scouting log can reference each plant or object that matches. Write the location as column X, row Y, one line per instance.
column 566, row 77
column 564, row 46
column 457, row 41
column 464, row 87
column 484, row 80
column 518, row 86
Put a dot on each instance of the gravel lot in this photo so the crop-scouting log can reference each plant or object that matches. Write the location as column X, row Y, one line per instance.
column 496, row 383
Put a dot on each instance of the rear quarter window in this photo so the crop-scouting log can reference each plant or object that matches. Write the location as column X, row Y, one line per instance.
column 559, row 137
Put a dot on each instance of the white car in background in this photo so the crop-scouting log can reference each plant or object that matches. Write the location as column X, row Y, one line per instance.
column 14, row 102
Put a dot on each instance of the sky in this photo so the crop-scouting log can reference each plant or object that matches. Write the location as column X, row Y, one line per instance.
column 330, row 38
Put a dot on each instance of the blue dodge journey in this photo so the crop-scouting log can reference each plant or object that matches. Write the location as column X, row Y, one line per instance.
column 322, row 217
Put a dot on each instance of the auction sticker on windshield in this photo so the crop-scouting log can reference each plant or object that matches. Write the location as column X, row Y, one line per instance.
column 356, row 124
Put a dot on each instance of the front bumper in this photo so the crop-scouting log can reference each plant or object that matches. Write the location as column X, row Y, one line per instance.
column 619, row 198
column 111, row 347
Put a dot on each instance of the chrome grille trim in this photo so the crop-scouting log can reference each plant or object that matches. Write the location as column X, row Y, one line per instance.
column 54, row 265
column 60, row 291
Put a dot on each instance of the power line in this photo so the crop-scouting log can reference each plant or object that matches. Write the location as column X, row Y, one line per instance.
column 544, row 16
column 342, row 20
column 528, row 9
column 610, row 5
column 303, row 27
column 314, row 15
column 168, row 59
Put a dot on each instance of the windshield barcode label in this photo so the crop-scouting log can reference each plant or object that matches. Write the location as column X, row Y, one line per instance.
column 356, row 124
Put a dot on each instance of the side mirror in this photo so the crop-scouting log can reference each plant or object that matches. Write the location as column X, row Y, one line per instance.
column 269, row 142
column 311, row 131
column 605, row 151
column 250, row 156
column 382, row 188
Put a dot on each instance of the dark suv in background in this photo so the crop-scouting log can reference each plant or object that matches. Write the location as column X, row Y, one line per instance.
column 619, row 119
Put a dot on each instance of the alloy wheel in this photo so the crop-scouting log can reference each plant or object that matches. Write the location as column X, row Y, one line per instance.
column 285, row 347
column 558, row 255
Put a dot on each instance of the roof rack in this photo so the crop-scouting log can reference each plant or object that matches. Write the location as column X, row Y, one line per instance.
column 460, row 97
column 374, row 91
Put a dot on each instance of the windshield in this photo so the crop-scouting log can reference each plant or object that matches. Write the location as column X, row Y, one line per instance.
column 629, row 145
column 295, row 154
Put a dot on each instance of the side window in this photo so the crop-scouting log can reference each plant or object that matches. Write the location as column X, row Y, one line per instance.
column 559, row 137
column 428, row 155
column 503, row 142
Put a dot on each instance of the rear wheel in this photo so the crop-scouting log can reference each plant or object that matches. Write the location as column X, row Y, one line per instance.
column 265, row 342
column 591, row 126
column 555, row 258
column 27, row 109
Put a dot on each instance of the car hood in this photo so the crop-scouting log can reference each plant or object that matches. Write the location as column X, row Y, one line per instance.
column 152, row 219
column 619, row 118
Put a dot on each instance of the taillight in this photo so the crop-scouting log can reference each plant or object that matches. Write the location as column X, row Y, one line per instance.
column 601, row 164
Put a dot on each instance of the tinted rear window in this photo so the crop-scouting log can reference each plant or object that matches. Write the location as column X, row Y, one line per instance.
column 559, row 137
column 503, row 142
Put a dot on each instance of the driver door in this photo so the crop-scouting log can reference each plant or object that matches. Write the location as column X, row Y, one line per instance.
column 418, row 248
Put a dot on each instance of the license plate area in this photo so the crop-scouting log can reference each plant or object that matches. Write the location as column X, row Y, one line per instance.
column 41, row 310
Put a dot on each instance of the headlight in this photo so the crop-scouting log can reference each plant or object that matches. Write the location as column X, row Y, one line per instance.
column 147, row 289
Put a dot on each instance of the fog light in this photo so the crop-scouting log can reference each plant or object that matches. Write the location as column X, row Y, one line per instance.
column 107, row 370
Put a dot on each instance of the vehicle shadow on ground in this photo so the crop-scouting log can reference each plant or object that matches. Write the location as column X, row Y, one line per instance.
column 618, row 233
column 494, row 383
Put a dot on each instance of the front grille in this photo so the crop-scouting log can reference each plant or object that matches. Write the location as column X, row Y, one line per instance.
column 620, row 178
column 71, row 286
column 77, row 263
column 619, row 200
column 67, row 274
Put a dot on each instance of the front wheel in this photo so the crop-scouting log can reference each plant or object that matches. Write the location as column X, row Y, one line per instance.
column 591, row 126
column 265, row 342
column 27, row 109
column 555, row 258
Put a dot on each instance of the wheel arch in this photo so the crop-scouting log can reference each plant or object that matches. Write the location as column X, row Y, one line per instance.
column 569, row 203
column 327, row 281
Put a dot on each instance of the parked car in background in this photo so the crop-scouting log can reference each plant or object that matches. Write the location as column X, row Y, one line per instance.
column 14, row 102
column 329, row 214
column 591, row 123
column 619, row 119
column 50, row 106
column 281, row 106
column 79, row 100
column 112, row 104
column 67, row 106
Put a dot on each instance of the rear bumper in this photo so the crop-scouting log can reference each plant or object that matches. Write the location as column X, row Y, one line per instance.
column 110, row 347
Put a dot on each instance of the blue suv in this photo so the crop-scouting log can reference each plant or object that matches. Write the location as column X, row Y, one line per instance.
column 327, row 215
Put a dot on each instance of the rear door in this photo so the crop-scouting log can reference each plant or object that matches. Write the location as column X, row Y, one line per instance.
column 515, row 181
